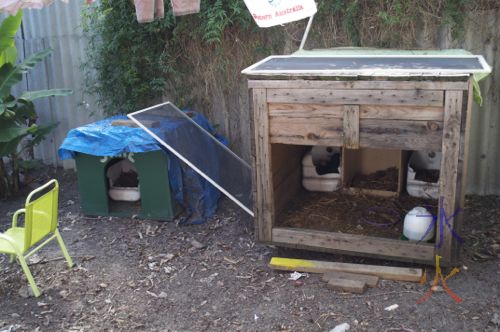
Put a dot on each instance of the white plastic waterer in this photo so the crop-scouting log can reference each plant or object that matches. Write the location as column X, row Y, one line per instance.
column 416, row 223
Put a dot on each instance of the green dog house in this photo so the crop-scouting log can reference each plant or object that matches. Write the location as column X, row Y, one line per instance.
column 153, row 200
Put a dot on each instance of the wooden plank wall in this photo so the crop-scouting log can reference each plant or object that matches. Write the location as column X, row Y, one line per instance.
column 410, row 118
column 264, row 203
column 449, row 168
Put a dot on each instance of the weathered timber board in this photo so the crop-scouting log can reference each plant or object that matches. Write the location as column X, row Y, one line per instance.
column 347, row 243
column 400, row 134
column 373, row 133
column 401, row 113
column 357, row 97
column 264, row 204
column 370, row 280
column 462, row 168
column 365, row 84
column 385, row 112
column 311, row 266
column 346, row 285
column 449, row 170
column 351, row 126
column 306, row 110
column 303, row 131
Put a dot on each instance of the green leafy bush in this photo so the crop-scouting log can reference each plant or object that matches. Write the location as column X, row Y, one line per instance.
column 132, row 65
column 127, row 62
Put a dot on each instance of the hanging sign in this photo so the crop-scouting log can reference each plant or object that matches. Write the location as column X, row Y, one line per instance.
column 268, row 13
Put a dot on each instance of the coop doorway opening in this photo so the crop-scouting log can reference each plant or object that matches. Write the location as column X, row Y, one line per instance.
column 123, row 181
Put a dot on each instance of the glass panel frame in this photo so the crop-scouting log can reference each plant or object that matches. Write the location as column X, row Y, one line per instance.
column 226, row 170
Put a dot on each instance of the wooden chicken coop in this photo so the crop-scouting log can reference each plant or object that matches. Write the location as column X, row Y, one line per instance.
column 377, row 108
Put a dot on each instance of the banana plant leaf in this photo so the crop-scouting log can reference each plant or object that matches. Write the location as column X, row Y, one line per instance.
column 10, row 147
column 8, row 30
column 11, row 134
column 32, row 95
column 11, row 75
column 10, row 130
column 41, row 132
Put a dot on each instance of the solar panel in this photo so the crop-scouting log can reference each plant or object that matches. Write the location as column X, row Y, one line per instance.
column 381, row 65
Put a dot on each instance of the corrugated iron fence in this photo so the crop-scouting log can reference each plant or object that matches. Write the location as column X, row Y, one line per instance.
column 57, row 26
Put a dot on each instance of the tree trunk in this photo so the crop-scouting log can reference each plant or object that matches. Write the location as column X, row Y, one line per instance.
column 15, row 172
column 4, row 181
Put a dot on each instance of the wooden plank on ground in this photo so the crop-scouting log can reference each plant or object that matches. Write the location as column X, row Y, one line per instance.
column 342, row 85
column 384, row 272
column 357, row 97
column 351, row 126
column 346, row 285
column 370, row 281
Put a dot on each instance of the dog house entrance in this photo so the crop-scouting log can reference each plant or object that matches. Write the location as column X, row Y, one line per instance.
column 123, row 185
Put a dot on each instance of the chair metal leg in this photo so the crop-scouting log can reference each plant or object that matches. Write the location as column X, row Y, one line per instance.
column 29, row 276
column 63, row 249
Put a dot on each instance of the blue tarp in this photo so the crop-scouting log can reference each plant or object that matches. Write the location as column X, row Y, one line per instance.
column 192, row 191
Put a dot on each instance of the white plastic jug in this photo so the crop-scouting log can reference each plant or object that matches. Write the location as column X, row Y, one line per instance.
column 416, row 223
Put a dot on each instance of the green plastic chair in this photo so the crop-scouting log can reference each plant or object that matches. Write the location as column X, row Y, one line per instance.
column 40, row 223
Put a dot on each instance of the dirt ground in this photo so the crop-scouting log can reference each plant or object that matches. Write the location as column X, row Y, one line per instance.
column 140, row 275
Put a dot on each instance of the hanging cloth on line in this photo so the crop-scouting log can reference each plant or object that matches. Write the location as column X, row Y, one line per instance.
column 268, row 13
column 185, row 7
column 148, row 10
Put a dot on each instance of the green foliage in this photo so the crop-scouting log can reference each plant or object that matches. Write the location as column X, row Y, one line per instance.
column 18, row 128
column 127, row 62
column 351, row 22
column 8, row 30
column 130, row 65
column 454, row 16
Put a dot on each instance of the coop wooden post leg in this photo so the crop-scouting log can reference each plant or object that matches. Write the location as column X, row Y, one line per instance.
column 264, row 202
column 462, row 165
column 449, row 172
